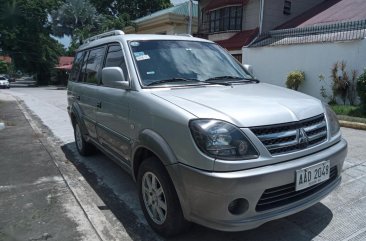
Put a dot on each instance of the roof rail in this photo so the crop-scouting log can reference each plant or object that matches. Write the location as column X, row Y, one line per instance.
column 104, row 35
column 184, row 34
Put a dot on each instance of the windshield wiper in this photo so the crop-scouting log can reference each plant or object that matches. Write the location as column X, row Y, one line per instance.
column 228, row 77
column 172, row 80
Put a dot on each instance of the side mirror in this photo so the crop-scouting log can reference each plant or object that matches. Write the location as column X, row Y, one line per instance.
column 249, row 69
column 114, row 77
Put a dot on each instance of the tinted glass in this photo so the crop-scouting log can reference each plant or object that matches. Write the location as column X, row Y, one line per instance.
column 166, row 59
column 76, row 66
column 82, row 75
column 115, row 58
column 94, row 64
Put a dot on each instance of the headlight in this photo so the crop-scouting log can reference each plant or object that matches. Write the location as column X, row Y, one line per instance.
column 332, row 120
column 221, row 140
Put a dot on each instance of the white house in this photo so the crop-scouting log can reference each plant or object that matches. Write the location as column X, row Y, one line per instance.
column 313, row 42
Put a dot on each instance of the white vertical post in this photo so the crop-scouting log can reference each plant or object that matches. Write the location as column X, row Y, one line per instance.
column 190, row 10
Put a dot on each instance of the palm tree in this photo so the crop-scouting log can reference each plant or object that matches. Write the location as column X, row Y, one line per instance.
column 73, row 16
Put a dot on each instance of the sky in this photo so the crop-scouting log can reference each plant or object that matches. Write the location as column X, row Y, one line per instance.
column 66, row 40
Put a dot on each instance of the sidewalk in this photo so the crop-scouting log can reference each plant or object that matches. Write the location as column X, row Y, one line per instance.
column 35, row 201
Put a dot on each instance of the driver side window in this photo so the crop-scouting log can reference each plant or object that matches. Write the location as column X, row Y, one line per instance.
column 115, row 58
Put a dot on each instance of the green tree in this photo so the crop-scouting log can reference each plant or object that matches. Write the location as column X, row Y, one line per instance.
column 25, row 34
column 115, row 23
column 73, row 16
column 4, row 68
column 134, row 8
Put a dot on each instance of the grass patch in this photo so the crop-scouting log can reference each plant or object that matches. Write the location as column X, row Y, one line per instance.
column 351, row 119
column 348, row 110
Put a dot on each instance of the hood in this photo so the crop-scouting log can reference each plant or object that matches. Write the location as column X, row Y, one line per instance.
column 245, row 105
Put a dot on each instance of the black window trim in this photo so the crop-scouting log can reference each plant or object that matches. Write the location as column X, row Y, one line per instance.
column 227, row 30
column 81, row 63
column 115, row 43
column 87, row 51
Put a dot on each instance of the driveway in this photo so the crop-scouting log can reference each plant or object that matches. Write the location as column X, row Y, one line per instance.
column 340, row 216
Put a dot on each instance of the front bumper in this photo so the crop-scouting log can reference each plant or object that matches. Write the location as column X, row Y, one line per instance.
column 205, row 196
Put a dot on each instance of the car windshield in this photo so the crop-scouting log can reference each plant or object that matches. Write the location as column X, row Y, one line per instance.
column 179, row 62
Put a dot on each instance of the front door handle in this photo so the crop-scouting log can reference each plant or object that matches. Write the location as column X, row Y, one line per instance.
column 99, row 104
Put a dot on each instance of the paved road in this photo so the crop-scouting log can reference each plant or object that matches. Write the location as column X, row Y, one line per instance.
column 340, row 216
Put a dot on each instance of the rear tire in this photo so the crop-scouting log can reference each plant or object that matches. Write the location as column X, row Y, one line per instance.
column 159, row 200
column 83, row 147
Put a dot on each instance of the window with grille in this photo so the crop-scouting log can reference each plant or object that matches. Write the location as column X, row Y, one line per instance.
column 287, row 7
column 224, row 19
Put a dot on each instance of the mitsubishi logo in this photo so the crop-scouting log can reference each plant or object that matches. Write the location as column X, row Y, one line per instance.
column 303, row 138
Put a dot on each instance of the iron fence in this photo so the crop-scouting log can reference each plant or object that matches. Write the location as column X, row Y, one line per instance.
column 321, row 33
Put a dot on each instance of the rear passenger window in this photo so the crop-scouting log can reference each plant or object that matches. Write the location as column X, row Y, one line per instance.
column 93, row 66
column 74, row 75
column 82, row 75
column 115, row 59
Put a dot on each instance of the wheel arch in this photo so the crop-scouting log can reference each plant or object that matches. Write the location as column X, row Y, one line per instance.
column 149, row 144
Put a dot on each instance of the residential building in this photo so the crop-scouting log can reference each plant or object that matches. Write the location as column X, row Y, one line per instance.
column 332, row 31
column 236, row 23
column 173, row 20
column 65, row 63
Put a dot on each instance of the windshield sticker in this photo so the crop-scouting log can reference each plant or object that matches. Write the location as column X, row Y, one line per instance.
column 150, row 72
column 135, row 44
column 142, row 57
column 137, row 54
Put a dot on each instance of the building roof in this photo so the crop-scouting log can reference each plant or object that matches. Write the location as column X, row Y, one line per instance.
column 65, row 60
column 328, row 12
column 180, row 9
column 329, row 21
column 221, row 3
column 6, row 59
column 239, row 40
column 65, row 63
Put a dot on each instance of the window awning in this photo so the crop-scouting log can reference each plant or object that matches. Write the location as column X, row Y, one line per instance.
column 239, row 40
column 64, row 67
column 222, row 3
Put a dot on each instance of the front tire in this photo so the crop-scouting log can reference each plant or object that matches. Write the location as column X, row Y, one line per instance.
column 159, row 200
column 83, row 147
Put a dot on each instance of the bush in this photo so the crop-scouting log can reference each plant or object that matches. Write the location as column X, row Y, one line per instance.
column 361, row 89
column 295, row 79
column 343, row 84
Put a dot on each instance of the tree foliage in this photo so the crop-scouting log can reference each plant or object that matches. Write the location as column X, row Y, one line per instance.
column 3, row 67
column 134, row 8
column 25, row 36
column 74, row 15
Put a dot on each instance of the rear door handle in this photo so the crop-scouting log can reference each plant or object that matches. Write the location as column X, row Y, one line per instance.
column 99, row 104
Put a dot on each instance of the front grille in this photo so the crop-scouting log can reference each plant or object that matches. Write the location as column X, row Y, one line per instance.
column 293, row 136
column 286, row 194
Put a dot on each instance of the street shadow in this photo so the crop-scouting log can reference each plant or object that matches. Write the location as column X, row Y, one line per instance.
column 118, row 191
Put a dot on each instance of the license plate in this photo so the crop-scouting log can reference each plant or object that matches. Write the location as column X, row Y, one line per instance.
column 312, row 175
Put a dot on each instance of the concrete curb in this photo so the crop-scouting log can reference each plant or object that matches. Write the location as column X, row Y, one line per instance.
column 353, row 125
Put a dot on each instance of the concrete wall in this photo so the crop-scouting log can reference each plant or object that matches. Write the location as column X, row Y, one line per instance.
column 273, row 11
column 251, row 15
column 272, row 64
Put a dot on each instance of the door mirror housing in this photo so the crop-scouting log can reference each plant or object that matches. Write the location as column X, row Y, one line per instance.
column 249, row 68
column 114, row 77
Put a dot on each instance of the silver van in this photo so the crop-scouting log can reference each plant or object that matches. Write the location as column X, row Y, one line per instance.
column 205, row 141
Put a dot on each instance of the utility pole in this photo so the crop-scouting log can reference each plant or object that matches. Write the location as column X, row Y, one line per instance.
column 190, row 13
